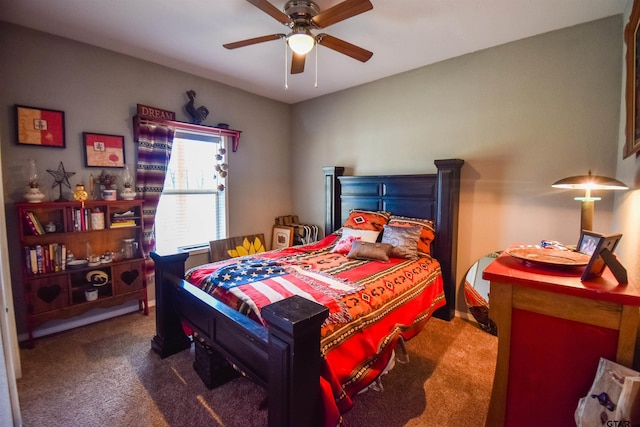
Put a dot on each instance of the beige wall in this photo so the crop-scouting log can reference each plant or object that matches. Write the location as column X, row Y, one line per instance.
column 521, row 115
column 98, row 90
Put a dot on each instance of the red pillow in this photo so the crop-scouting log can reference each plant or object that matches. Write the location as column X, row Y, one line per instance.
column 367, row 220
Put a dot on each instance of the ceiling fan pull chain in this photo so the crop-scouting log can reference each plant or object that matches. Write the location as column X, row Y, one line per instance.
column 316, row 47
column 286, row 81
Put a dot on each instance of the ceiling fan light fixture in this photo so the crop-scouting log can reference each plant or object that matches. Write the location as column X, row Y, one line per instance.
column 301, row 41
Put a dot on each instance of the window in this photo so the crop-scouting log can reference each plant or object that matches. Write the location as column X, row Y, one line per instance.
column 192, row 209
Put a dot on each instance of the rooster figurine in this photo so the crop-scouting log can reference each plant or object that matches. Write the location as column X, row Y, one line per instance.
column 197, row 114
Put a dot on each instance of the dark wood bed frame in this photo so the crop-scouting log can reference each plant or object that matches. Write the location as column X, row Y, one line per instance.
column 284, row 358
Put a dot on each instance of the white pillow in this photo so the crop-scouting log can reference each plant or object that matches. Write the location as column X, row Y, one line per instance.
column 364, row 235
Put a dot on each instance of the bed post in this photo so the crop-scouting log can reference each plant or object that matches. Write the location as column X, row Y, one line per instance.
column 294, row 361
column 332, row 198
column 170, row 337
column 448, row 193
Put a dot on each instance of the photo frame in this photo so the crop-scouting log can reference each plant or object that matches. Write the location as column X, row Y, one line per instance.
column 282, row 237
column 103, row 150
column 600, row 247
column 39, row 127
column 632, row 90
column 588, row 242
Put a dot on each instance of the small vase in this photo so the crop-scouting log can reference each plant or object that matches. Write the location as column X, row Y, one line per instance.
column 108, row 194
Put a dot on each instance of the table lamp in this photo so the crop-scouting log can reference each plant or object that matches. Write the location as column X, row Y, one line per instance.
column 588, row 183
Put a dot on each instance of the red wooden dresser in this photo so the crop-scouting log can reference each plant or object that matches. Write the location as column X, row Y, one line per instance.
column 552, row 330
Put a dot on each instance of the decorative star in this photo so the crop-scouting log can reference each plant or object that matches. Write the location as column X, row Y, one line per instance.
column 61, row 176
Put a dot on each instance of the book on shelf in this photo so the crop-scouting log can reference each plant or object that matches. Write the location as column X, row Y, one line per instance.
column 117, row 224
column 29, row 223
column 124, row 219
column 83, row 219
column 55, row 264
column 33, row 224
column 46, row 260
column 63, row 257
column 124, row 215
column 43, row 259
column 79, row 218
column 32, row 261
column 39, row 267
column 37, row 223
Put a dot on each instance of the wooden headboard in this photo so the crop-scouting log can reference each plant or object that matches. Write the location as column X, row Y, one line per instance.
column 430, row 196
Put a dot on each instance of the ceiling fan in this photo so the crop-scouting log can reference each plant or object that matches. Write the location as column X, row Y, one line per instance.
column 304, row 15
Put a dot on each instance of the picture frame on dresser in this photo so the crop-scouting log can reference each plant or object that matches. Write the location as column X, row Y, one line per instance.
column 40, row 127
column 588, row 242
column 600, row 247
column 282, row 236
column 103, row 150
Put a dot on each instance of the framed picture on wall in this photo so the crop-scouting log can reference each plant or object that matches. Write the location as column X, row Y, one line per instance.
column 632, row 90
column 39, row 127
column 282, row 237
column 600, row 247
column 103, row 150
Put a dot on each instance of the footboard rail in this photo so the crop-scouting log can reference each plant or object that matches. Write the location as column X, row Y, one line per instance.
column 284, row 357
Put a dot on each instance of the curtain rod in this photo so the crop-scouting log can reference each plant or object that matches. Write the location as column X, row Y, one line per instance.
column 212, row 130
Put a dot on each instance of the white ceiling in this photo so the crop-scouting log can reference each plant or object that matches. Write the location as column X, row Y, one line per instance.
column 403, row 35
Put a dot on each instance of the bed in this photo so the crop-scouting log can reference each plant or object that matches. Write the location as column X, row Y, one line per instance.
column 289, row 346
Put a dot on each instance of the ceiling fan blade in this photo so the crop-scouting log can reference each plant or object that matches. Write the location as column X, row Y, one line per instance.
column 340, row 12
column 247, row 42
column 344, row 47
column 271, row 10
column 297, row 63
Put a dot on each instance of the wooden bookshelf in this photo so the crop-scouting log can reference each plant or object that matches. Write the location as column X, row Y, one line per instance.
column 93, row 232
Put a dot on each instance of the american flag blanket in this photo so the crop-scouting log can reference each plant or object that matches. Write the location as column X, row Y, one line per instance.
column 371, row 305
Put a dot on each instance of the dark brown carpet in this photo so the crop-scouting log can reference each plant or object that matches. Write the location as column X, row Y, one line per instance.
column 105, row 374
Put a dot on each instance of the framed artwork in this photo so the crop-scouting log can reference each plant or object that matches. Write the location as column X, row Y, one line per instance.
column 282, row 237
column 600, row 247
column 632, row 91
column 39, row 127
column 103, row 151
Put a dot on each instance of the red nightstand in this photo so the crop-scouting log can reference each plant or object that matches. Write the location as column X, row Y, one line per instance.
column 552, row 331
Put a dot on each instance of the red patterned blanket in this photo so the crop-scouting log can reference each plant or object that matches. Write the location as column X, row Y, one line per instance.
column 371, row 304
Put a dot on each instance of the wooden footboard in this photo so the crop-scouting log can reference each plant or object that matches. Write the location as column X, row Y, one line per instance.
column 284, row 358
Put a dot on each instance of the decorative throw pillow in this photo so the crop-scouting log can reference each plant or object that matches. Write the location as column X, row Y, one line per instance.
column 427, row 234
column 369, row 251
column 404, row 240
column 365, row 235
column 344, row 244
column 367, row 220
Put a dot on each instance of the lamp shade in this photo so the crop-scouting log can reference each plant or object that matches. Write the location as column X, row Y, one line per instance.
column 590, row 182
